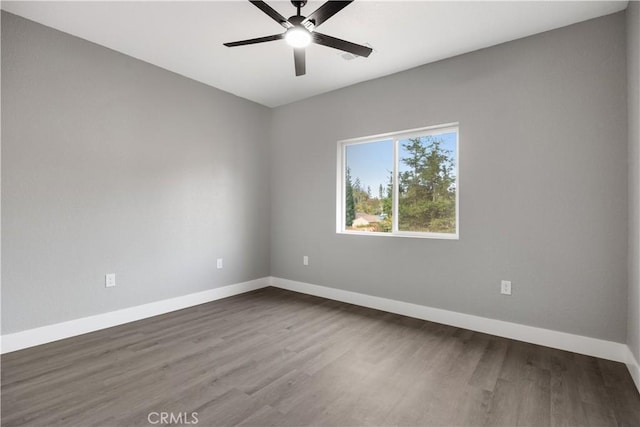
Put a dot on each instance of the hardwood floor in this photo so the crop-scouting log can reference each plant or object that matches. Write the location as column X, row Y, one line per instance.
column 273, row 357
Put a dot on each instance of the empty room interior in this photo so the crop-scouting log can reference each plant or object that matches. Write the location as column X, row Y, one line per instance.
column 342, row 213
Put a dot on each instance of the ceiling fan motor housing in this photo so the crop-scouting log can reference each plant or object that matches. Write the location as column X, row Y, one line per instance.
column 302, row 22
column 296, row 20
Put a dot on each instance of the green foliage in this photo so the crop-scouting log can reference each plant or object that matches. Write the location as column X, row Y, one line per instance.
column 387, row 203
column 385, row 225
column 427, row 190
column 363, row 200
column 350, row 209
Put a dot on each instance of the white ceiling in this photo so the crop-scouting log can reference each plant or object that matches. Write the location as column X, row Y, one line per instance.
column 186, row 37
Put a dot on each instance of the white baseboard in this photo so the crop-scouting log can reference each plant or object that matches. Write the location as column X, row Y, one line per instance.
column 58, row 331
column 634, row 368
column 561, row 340
column 609, row 350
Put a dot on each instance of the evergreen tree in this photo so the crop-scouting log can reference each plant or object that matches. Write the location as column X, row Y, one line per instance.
column 357, row 192
column 427, row 189
column 387, row 205
column 350, row 207
column 415, row 160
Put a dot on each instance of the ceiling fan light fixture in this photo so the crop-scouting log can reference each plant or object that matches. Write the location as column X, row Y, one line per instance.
column 298, row 37
column 301, row 31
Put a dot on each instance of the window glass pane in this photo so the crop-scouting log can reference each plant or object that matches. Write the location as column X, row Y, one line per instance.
column 368, row 186
column 427, row 183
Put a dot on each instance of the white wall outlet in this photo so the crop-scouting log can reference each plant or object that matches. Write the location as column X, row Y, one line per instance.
column 305, row 260
column 505, row 287
column 219, row 263
column 109, row 280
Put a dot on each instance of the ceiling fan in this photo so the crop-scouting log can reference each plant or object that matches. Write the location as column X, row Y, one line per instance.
column 301, row 31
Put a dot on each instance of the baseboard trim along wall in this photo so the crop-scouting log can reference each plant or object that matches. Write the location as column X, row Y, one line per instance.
column 634, row 368
column 561, row 340
column 71, row 328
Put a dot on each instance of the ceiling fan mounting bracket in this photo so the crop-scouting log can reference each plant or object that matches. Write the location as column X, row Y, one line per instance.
column 298, row 4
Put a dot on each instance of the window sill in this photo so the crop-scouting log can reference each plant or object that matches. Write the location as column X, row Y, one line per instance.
column 437, row 236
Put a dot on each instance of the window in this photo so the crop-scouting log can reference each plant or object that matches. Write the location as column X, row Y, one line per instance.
column 400, row 184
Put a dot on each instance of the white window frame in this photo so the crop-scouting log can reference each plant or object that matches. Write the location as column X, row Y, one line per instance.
column 395, row 137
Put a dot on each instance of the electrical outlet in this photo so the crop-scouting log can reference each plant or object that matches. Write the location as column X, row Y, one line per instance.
column 305, row 260
column 109, row 280
column 505, row 287
column 219, row 263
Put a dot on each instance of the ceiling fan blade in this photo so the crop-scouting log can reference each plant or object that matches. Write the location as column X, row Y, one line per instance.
column 256, row 40
column 299, row 60
column 340, row 44
column 272, row 13
column 326, row 11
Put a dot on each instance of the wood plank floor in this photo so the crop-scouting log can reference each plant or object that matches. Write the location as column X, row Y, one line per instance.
column 273, row 357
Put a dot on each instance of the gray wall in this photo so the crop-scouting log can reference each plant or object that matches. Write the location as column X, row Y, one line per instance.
column 633, row 100
column 543, row 183
column 112, row 165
